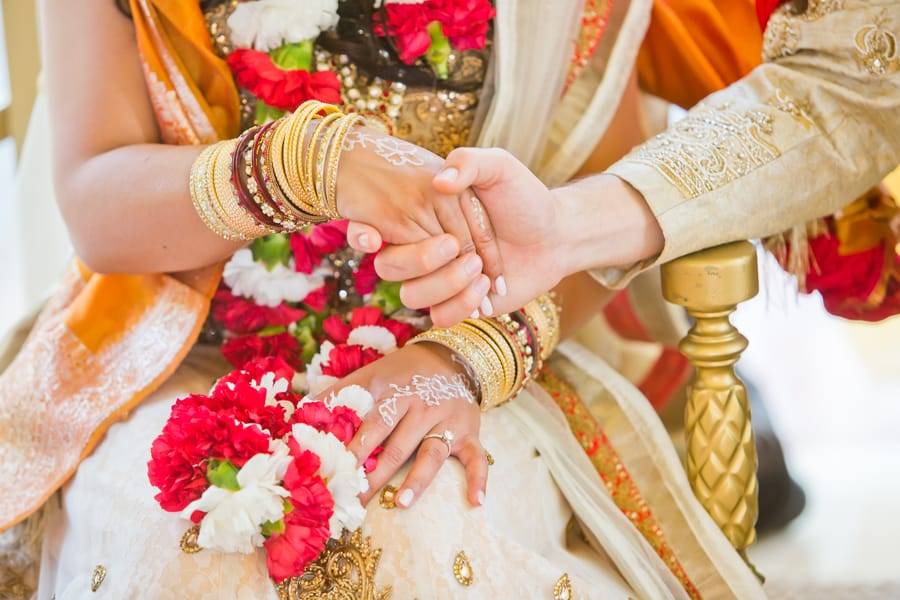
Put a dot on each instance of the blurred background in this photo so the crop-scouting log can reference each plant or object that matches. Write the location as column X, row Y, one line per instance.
column 832, row 387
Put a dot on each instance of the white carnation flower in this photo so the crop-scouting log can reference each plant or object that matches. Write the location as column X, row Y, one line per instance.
column 316, row 381
column 251, row 279
column 269, row 24
column 233, row 518
column 373, row 336
column 354, row 397
column 345, row 480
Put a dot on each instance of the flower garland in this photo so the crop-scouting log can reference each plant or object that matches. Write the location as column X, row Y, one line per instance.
column 255, row 463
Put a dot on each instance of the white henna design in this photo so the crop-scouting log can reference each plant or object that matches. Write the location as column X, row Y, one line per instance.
column 397, row 152
column 479, row 212
column 388, row 411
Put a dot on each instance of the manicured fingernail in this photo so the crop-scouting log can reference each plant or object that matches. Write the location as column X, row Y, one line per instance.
column 480, row 497
column 500, row 285
column 448, row 174
column 448, row 248
column 363, row 241
column 405, row 498
column 475, row 314
column 487, row 308
column 472, row 265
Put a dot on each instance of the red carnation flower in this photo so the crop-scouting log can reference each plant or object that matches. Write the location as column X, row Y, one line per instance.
column 408, row 25
column 371, row 463
column 340, row 421
column 366, row 315
column 236, row 397
column 241, row 350
column 464, row 22
column 344, row 359
column 330, row 237
column 242, row 315
column 306, row 524
column 193, row 435
column 336, row 329
column 365, row 278
column 403, row 332
column 305, row 256
column 285, row 89
column 317, row 299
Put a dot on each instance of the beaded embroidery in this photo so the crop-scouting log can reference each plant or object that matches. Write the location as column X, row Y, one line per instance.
column 877, row 48
column 710, row 148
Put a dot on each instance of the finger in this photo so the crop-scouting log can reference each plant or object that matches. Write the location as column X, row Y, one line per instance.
column 453, row 221
column 377, row 426
column 467, row 304
column 430, row 457
column 408, row 261
column 471, row 455
column 441, row 285
column 485, row 241
column 470, row 167
column 399, row 447
column 363, row 238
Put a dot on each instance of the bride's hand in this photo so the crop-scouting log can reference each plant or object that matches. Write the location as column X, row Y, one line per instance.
column 419, row 391
column 386, row 183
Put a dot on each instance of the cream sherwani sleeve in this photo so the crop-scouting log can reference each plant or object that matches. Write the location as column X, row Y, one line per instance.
column 801, row 136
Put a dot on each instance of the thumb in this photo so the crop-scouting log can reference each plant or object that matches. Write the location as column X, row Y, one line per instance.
column 472, row 167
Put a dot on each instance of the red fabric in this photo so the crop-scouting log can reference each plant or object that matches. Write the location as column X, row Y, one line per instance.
column 764, row 10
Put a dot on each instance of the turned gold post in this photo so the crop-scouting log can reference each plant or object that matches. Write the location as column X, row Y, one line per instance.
column 721, row 455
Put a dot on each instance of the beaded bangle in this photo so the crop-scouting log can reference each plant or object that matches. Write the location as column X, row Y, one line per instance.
column 199, row 187
column 238, row 220
column 542, row 315
column 245, row 198
column 520, row 333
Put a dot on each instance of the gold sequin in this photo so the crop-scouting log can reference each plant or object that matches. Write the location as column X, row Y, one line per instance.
column 801, row 110
column 489, row 457
column 345, row 570
column 563, row 588
column 388, row 497
column 97, row 577
column 189, row 543
column 877, row 48
column 710, row 148
column 782, row 38
column 462, row 569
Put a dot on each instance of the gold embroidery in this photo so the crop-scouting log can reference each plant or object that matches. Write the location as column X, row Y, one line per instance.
column 877, row 47
column 612, row 471
column 217, row 24
column 97, row 577
column 462, row 569
column 816, row 9
column 710, row 148
column 189, row 543
column 563, row 588
column 801, row 110
column 593, row 23
column 344, row 571
column 781, row 36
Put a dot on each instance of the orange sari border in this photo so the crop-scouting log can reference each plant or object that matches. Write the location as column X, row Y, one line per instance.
column 622, row 488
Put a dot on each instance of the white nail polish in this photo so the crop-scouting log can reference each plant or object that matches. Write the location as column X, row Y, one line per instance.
column 363, row 241
column 480, row 497
column 475, row 314
column 487, row 309
column 405, row 498
column 449, row 174
column 500, row 285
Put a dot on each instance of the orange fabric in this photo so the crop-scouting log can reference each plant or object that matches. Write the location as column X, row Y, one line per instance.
column 104, row 342
column 696, row 47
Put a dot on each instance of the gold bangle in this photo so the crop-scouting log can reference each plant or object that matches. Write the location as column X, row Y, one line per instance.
column 200, row 195
column 543, row 316
column 507, row 369
column 237, row 218
column 279, row 151
column 511, row 355
column 271, row 160
column 299, row 145
column 334, row 159
column 316, row 142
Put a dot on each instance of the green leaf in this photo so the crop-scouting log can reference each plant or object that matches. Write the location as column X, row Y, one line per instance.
column 387, row 296
column 270, row 528
column 294, row 56
column 439, row 50
column 266, row 113
column 272, row 250
column 222, row 474
column 271, row 330
column 305, row 334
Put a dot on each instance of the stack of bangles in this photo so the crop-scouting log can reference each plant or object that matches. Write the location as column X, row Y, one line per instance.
column 274, row 178
column 502, row 354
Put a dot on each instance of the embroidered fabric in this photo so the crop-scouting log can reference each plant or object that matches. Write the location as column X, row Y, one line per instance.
column 516, row 543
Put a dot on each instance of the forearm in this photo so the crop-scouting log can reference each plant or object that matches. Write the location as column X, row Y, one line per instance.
column 580, row 299
column 129, row 210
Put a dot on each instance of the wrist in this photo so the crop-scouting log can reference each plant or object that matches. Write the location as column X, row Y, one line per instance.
column 604, row 222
